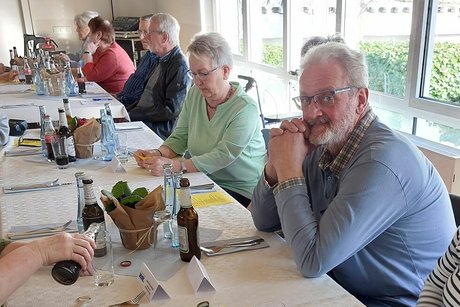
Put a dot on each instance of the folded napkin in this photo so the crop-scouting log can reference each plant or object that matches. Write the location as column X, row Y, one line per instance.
column 233, row 249
column 34, row 231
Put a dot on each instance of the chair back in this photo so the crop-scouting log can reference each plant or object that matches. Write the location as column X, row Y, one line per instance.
column 455, row 201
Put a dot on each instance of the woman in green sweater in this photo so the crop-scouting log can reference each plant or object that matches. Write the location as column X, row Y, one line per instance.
column 219, row 125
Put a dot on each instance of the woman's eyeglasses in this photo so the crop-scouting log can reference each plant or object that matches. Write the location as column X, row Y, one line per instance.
column 202, row 75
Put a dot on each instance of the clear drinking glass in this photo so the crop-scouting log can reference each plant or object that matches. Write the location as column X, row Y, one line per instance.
column 59, row 145
column 121, row 149
column 104, row 274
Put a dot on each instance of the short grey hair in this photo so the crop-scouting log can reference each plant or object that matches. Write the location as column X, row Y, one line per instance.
column 146, row 17
column 353, row 62
column 169, row 25
column 319, row 40
column 81, row 20
column 211, row 45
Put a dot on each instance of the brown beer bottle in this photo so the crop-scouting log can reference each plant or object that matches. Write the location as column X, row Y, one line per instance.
column 92, row 213
column 187, row 223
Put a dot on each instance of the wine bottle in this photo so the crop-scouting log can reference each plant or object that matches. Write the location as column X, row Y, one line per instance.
column 187, row 222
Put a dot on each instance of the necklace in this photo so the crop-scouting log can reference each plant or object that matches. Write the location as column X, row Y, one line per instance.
column 230, row 92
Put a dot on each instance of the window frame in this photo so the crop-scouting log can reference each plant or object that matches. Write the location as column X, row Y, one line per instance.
column 413, row 105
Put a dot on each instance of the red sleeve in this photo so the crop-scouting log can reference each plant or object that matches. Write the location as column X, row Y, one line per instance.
column 102, row 68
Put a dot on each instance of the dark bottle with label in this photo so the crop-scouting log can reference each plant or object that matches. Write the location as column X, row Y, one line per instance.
column 92, row 213
column 187, row 223
column 66, row 272
column 49, row 133
column 64, row 130
column 27, row 72
column 81, row 81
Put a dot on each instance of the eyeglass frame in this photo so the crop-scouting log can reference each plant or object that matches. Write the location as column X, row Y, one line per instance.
column 304, row 101
column 145, row 33
column 203, row 76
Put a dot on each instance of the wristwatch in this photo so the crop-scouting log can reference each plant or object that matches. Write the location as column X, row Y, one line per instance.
column 183, row 168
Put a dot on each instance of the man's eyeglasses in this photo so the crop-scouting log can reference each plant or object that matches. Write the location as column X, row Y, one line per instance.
column 145, row 33
column 325, row 99
column 203, row 75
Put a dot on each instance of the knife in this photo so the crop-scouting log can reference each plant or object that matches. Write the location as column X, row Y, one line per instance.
column 32, row 187
column 206, row 186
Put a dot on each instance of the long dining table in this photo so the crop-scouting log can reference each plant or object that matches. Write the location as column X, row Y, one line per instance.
column 19, row 101
column 261, row 277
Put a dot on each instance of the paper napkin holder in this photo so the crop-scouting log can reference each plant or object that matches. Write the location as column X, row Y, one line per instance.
column 198, row 276
column 150, row 284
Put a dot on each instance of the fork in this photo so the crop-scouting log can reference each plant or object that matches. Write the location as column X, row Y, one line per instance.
column 134, row 301
column 216, row 249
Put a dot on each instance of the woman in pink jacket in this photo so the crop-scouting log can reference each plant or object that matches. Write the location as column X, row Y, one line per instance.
column 105, row 62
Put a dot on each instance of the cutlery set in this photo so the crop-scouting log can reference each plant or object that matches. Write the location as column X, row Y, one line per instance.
column 26, row 232
column 232, row 246
column 34, row 186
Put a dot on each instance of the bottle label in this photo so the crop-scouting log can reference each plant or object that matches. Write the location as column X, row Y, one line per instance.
column 183, row 239
column 70, row 146
column 100, row 238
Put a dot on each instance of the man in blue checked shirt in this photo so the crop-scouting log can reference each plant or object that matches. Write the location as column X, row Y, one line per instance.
column 134, row 86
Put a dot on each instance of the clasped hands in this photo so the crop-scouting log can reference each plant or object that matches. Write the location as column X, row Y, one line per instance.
column 287, row 148
column 151, row 161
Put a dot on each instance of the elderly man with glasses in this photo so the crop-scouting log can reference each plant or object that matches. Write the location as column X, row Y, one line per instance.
column 354, row 198
column 161, row 101
column 134, row 86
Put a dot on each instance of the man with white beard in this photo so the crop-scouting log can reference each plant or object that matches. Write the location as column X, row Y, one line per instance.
column 354, row 198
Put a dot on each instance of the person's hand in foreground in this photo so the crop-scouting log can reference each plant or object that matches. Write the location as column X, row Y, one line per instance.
column 18, row 260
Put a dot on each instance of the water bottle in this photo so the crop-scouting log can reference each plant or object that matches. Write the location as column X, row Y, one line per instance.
column 80, row 200
column 42, row 130
column 176, row 207
column 168, row 195
column 71, row 84
column 38, row 81
column 107, row 140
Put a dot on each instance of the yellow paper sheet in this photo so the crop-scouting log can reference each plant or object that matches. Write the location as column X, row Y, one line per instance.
column 203, row 200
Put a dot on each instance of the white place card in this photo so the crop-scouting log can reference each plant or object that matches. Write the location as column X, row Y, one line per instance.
column 116, row 166
column 198, row 276
column 150, row 284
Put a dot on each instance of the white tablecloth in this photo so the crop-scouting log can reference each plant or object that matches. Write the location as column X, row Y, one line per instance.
column 263, row 277
column 18, row 102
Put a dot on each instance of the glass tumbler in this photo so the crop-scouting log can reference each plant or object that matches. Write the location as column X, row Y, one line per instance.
column 104, row 274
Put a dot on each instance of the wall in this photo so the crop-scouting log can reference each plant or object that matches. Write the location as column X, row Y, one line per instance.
column 55, row 18
column 11, row 29
column 187, row 12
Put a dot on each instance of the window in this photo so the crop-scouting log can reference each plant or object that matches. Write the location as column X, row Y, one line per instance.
column 412, row 49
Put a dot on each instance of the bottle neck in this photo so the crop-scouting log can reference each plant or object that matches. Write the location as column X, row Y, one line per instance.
column 90, row 196
column 62, row 119
column 67, row 109
column 185, row 197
